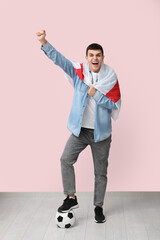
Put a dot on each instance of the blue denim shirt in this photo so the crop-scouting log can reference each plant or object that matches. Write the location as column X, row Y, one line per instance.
column 103, row 106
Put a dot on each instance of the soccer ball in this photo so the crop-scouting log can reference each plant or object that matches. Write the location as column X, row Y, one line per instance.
column 65, row 220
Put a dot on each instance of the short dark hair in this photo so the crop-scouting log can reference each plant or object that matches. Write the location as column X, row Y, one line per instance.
column 94, row 46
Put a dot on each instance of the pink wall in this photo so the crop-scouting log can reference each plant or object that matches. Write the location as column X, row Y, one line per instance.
column 35, row 98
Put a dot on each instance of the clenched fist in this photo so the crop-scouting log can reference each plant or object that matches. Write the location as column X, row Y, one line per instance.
column 41, row 37
column 92, row 91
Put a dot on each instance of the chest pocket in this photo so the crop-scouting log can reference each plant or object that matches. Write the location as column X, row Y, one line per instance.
column 83, row 87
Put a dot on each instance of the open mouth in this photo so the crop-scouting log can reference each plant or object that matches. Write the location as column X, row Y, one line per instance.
column 95, row 63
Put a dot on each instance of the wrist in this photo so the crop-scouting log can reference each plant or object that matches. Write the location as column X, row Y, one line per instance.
column 43, row 42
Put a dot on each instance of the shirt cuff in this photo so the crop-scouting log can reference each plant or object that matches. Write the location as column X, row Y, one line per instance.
column 46, row 47
column 97, row 95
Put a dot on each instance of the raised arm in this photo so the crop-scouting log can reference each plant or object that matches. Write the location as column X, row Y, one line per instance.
column 56, row 56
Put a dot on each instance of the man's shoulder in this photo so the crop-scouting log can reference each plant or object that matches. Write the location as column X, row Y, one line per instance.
column 77, row 65
column 109, row 67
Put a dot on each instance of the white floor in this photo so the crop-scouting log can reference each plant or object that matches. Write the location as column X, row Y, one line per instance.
column 130, row 216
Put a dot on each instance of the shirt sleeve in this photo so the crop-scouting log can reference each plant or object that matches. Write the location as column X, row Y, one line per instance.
column 59, row 60
column 104, row 101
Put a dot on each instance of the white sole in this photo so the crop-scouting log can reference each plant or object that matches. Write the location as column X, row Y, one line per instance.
column 101, row 221
column 74, row 207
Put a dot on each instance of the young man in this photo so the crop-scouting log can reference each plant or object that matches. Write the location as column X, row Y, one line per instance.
column 96, row 99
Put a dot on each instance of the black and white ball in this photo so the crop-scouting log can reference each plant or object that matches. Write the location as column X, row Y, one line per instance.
column 65, row 220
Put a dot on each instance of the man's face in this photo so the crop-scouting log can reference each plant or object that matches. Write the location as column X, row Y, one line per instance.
column 95, row 59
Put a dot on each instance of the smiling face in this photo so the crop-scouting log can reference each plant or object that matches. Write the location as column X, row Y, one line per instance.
column 95, row 59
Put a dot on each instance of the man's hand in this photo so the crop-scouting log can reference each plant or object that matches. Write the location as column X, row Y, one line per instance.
column 41, row 37
column 92, row 91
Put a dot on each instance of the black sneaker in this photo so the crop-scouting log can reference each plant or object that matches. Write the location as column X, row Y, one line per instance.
column 99, row 216
column 68, row 204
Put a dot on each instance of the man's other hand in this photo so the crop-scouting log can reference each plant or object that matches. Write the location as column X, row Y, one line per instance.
column 92, row 91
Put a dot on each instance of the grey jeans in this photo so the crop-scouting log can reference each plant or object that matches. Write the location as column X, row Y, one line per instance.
column 100, row 152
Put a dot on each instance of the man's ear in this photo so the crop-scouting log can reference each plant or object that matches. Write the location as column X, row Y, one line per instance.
column 86, row 58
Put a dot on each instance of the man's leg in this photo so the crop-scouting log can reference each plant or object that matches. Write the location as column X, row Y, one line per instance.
column 100, row 153
column 70, row 154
